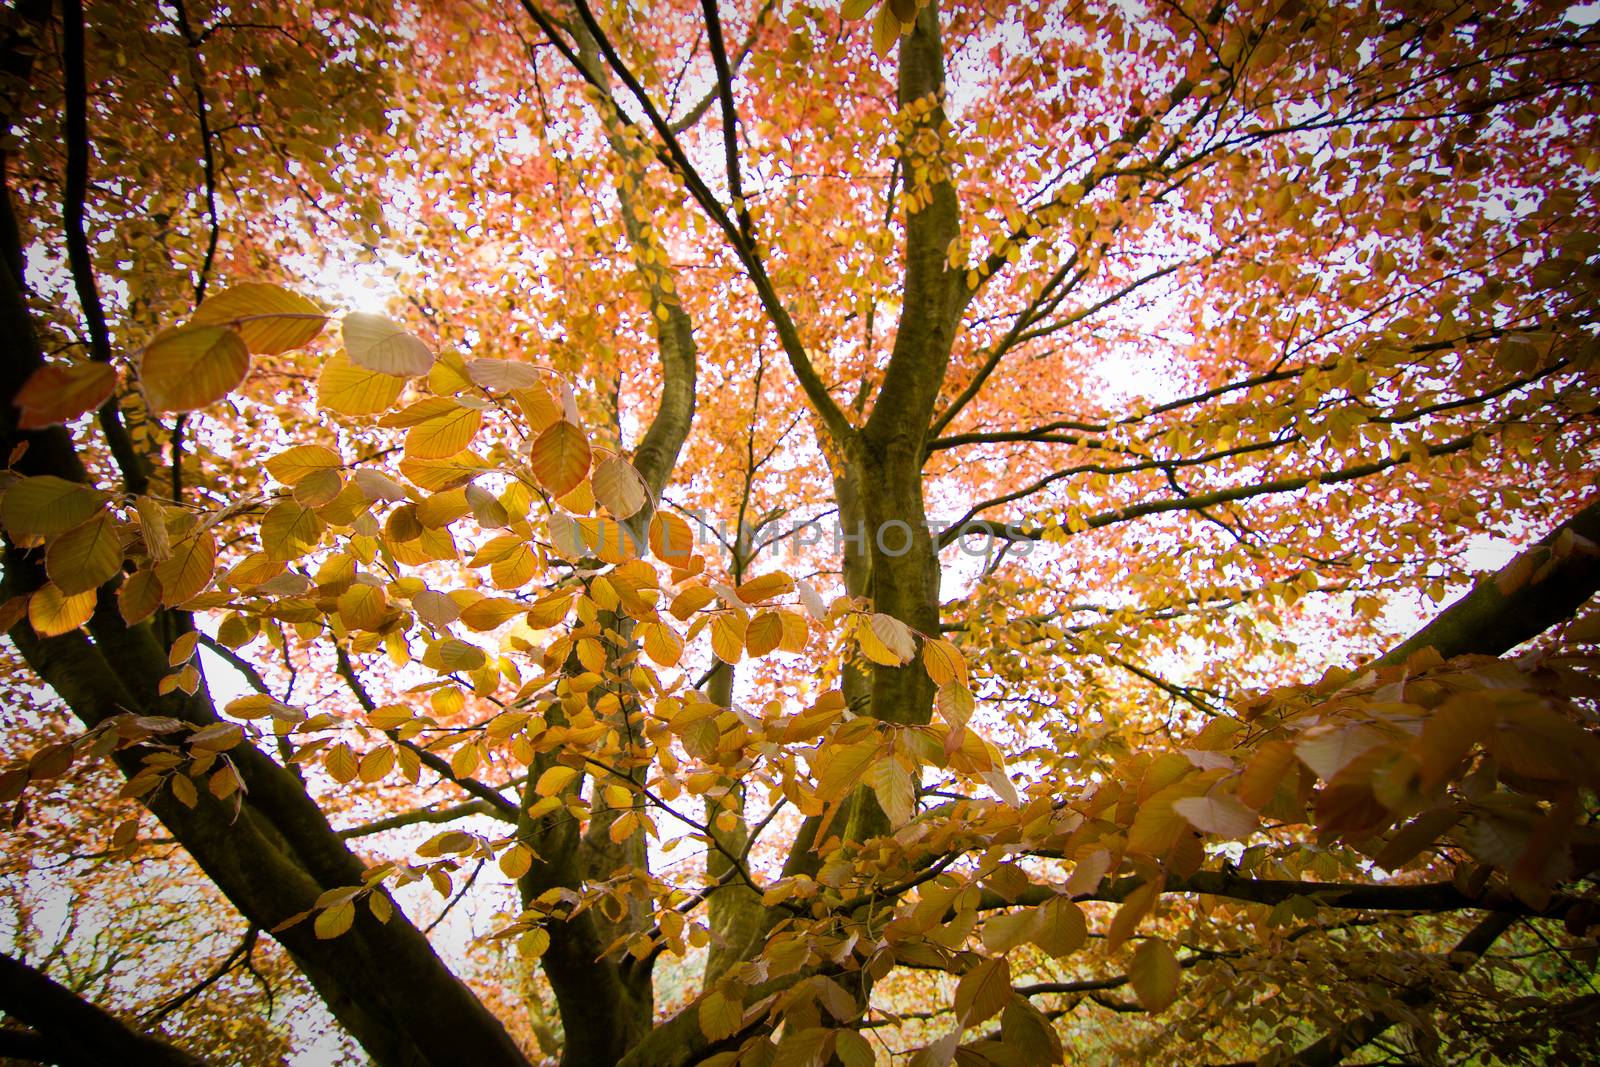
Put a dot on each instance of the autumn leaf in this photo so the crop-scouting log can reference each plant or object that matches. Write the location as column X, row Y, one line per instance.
column 47, row 506
column 86, row 556
column 348, row 389
column 268, row 318
column 1154, row 974
column 560, row 457
column 720, row 1015
column 983, row 991
column 375, row 343
column 1218, row 814
column 620, row 488
column 52, row 612
column 57, row 393
column 192, row 367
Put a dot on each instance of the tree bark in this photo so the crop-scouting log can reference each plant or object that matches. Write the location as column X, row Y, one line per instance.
column 71, row 1031
column 277, row 853
column 1539, row 589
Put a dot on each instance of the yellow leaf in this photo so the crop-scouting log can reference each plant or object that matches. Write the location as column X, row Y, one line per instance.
column 438, row 475
column 620, row 488
column 764, row 633
column 289, row 531
column 1155, row 974
column 885, row 30
column 293, row 464
column 490, row 613
column 448, row 375
column 661, row 643
column 671, row 539
column 1062, row 929
column 347, row 389
column 691, row 600
column 1258, row 783
column 189, row 367
column 943, row 661
column 375, row 343
column 52, row 612
column 1217, row 813
column 363, row 607
column 182, row 649
column 341, row 763
column 720, row 1015
column 139, row 596
column 464, row 760
column 1004, row 932
column 84, row 557
column 554, row 780
column 894, row 787
column 795, row 632
column 445, row 436
column 533, row 943
column 539, row 408
column 516, row 568
column 183, row 790
column 765, row 587
column 516, row 861
column 457, row 655
column 560, row 457
column 894, row 637
column 841, row 767
column 189, row 569
column 376, row 765
column 1134, row 908
column 331, row 922
column 983, row 991
column 1157, row 827
column 269, row 318
column 47, row 506
column 955, row 703
column 727, row 637
column 502, row 375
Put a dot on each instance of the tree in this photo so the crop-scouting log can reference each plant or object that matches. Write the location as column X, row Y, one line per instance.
column 1216, row 335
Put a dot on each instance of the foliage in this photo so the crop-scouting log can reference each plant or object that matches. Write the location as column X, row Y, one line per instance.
column 863, row 535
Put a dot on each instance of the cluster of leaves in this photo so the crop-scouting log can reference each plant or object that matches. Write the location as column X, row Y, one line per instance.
column 473, row 592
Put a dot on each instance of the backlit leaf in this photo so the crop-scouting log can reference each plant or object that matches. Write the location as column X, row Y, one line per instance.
column 52, row 612
column 560, row 457
column 86, row 556
column 376, row 343
column 348, row 389
column 269, row 318
column 57, row 393
column 191, row 367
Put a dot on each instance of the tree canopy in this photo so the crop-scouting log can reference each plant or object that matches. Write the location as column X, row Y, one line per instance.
column 754, row 532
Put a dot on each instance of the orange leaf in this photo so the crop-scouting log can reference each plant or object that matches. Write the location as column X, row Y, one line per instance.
column 58, row 393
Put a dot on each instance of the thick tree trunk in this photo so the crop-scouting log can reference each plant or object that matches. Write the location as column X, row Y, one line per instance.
column 275, row 854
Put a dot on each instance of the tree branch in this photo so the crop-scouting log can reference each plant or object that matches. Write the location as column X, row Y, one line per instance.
column 76, row 1032
column 79, row 260
column 1540, row 588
